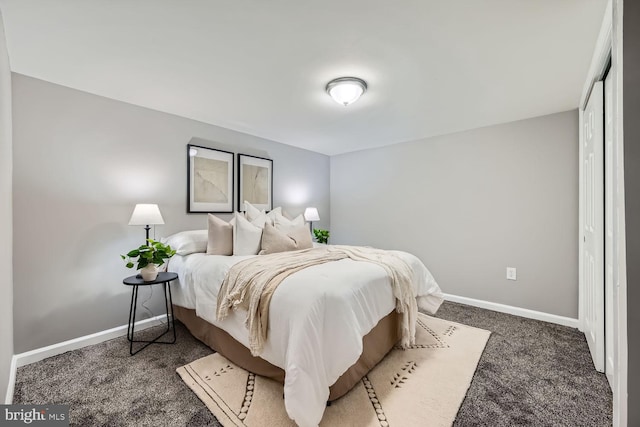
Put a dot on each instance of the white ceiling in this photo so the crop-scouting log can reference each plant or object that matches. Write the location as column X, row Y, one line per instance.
column 260, row 67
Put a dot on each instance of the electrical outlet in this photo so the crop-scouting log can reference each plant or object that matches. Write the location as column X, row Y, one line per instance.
column 511, row 273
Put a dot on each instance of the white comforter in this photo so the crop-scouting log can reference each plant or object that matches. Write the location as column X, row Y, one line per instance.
column 317, row 318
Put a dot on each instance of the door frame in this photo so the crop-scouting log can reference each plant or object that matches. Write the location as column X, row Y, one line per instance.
column 609, row 46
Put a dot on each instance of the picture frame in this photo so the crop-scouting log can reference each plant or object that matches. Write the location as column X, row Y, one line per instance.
column 210, row 175
column 255, row 182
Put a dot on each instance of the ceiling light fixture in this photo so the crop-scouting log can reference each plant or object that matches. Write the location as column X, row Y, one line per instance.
column 346, row 90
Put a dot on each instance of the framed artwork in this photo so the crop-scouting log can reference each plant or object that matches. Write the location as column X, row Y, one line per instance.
column 255, row 182
column 209, row 180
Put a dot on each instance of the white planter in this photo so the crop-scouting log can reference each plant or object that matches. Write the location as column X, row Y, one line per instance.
column 149, row 273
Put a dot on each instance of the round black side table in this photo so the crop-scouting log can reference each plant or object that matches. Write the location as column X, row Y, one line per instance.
column 136, row 281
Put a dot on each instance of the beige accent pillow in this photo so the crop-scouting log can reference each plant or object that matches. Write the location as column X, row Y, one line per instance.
column 247, row 235
column 220, row 236
column 274, row 240
column 285, row 224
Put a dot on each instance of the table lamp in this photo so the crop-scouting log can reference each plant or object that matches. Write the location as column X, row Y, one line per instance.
column 311, row 214
column 146, row 214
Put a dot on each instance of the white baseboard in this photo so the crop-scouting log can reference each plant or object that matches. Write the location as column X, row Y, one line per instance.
column 517, row 311
column 26, row 358
column 12, row 381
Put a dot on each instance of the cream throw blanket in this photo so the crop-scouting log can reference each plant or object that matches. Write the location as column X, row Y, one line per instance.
column 250, row 284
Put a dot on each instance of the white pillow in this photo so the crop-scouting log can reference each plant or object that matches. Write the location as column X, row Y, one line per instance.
column 286, row 225
column 272, row 214
column 188, row 242
column 247, row 235
column 252, row 213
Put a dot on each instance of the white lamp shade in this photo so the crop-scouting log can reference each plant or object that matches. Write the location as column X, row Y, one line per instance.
column 346, row 90
column 311, row 214
column 346, row 93
column 146, row 214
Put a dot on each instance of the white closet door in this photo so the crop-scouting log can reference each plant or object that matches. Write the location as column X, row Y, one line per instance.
column 593, row 263
column 608, row 226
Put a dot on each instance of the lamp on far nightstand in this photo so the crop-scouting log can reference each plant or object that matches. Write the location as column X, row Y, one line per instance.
column 146, row 214
column 311, row 214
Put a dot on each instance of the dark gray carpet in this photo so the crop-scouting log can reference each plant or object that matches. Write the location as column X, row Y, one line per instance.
column 531, row 373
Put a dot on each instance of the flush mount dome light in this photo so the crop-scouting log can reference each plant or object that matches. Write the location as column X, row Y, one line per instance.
column 346, row 90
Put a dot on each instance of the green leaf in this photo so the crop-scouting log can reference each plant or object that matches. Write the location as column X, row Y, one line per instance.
column 153, row 253
column 322, row 236
column 129, row 264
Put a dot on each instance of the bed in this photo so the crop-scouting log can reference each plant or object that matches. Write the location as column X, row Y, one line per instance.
column 328, row 324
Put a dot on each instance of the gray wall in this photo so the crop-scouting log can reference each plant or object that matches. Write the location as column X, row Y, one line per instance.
column 631, row 111
column 6, row 280
column 81, row 163
column 471, row 204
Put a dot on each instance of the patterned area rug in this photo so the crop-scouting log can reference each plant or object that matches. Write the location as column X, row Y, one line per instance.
column 420, row 386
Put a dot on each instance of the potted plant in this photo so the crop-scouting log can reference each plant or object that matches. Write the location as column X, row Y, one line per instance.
column 149, row 258
column 322, row 236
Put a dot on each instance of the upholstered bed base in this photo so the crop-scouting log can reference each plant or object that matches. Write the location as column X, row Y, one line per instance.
column 376, row 344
